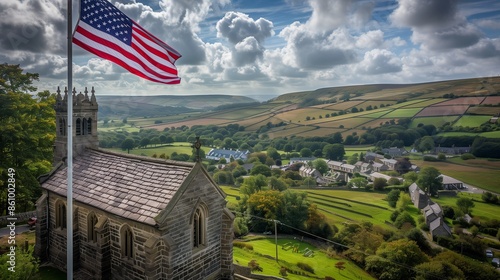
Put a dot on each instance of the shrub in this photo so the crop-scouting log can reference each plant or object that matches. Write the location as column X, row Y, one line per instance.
column 305, row 267
column 467, row 156
column 243, row 245
column 430, row 158
column 254, row 265
column 441, row 157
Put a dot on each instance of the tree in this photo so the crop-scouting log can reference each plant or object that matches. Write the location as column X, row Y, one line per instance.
column 144, row 142
column 410, row 177
column 395, row 259
column 465, row 204
column 334, row 152
column 429, row 180
column 27, row 133
column 426, row 144
column 128, row 144
column 403, row 165
column 438, row 270
column 261, row 169
column 403, row 218
column 358, row 182
column 403, row 201
column 393, row 197
column 305, row 152
column 317, row 223
column 337, row 138
column 321, row 166
column 264, row 204
column 379, row 184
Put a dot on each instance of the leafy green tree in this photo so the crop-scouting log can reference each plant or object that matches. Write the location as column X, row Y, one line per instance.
column 410, row 177
column 395, row 259
column 27, row 133
column 261, row 169
column 144, row 142
column 438, row 270
column 277, row 184
column 337, row 138
column 321, row 166
column 403, row 218
column 393, row 197
column 465, row 204
column 379, row 184
column 426, row 144
column 273, row 153
column 358, row 182
column 334, row 152
column 403, row 201
column 317, row 223
column 305, row 152
column 429, row 180
column 128, row 144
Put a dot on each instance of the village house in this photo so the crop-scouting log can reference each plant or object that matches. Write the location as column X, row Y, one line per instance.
column 228, row 155
column 452, row 150
column 341, row 166
column 301, row 159
column 133, row 217
column 418, row 196
column 395, row 152
column 450, row 183
column 390, row 163
column 363, row 167
column 379, row 167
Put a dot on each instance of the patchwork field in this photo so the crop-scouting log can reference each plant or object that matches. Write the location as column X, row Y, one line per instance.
column 403, row 113
column 437, row 121
column 492, row 100
column 471, row 121
column 443, row 111
column 462, row 101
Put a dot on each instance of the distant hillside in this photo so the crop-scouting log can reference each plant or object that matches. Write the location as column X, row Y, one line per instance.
column 395, row 92
column 164, row 105
column 353, row 110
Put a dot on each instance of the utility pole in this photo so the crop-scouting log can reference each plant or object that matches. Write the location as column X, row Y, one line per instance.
column 276, row 237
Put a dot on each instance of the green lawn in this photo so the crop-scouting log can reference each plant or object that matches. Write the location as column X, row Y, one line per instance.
column 484, row 178
column 403, row 113
column 264, row 252
column 484, row 211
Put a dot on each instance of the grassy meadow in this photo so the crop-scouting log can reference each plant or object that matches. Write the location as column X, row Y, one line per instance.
column 264, row 252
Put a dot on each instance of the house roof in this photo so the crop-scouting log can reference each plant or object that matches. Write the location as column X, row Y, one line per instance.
column 227, row 153
column 449, row 180
column 439, row 223
column 133, row 187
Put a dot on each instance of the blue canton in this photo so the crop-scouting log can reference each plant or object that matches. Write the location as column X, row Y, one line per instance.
column 102, row 15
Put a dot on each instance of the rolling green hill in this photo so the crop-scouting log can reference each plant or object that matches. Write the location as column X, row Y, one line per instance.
column 348, row 110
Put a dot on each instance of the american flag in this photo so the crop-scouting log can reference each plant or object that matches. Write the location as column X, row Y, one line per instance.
column 108, row 33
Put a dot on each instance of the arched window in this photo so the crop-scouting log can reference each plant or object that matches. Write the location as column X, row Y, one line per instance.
column 84, row 126
column 61, row 126
column 91, row 232
column 60, row 214
column 78, row 127
column 89, row 126
column 127, row 242
column 199, row 227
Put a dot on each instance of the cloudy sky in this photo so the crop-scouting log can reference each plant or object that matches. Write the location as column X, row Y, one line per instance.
column 265, row 48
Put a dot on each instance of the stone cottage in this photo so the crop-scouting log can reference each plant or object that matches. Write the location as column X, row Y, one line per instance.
column 133, row 217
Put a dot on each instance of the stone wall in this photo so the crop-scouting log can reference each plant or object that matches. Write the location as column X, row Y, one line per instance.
column 21, row 218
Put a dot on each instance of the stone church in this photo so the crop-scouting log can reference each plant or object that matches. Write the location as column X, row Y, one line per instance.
column 133, row 217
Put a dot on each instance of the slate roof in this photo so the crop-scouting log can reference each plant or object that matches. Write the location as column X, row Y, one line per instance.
column 133, row 187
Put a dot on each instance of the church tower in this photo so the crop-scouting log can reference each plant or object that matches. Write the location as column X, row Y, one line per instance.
column 84, row 127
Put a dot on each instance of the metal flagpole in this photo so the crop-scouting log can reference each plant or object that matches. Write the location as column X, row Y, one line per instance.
column 69, row 160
